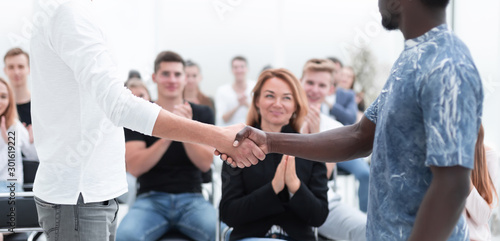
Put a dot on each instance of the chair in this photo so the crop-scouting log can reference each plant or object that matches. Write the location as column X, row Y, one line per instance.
column 18, row 214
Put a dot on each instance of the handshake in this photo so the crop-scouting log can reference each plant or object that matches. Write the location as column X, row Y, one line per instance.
column 249, row 146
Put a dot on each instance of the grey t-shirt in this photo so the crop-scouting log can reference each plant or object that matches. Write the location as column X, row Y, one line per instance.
column 428, row 114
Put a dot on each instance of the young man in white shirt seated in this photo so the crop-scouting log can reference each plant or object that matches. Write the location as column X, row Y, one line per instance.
column 343, row 221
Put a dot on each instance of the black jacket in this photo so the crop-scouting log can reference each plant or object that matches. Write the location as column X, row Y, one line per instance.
column 251, row 207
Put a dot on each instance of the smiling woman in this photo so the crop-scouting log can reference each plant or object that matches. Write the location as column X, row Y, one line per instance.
column 14, row 140
column 276, row 196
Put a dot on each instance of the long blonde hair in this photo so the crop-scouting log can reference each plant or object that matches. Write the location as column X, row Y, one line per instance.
column 11, row 111
column 480, row 176
column 299, row 95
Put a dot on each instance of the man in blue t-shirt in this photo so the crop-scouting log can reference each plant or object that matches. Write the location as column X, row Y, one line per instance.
column 421, row 129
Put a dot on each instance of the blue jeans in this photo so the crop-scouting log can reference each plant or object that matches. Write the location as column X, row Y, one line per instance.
column 155, row 213
column 83, row 221
column 361, row 171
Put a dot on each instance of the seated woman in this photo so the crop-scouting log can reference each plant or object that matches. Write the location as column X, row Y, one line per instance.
column 282, row 196
column 482, row 198
column 15, row 139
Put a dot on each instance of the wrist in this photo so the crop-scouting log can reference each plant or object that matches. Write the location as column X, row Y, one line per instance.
column 276, row 189
column 294, row 186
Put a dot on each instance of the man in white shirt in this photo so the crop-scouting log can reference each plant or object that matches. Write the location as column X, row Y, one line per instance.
column 79, row 107
column 232, row 100
column 343, row 222
column 17, row 69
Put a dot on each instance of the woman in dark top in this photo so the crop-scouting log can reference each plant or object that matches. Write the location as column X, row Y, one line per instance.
column 282, row 196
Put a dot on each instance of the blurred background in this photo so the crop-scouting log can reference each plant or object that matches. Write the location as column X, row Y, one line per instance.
column 281, row 33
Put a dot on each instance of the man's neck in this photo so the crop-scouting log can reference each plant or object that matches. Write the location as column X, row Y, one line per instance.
column 169, row 103
column 420, row 20
column 22, row 95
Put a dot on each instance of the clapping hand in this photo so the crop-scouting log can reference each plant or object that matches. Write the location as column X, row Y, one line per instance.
column 286, row 175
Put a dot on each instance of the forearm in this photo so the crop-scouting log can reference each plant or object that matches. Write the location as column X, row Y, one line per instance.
column 441, row 207
column 200, row 155
column 181, row 129
column 140, row 162
column 340, row 144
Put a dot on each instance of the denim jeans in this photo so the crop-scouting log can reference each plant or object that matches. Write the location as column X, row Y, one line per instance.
column 83, row 221
column 154, row 213
column 361, row 171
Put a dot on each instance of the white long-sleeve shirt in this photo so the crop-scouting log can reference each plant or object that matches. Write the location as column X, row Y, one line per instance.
column 226, row 99
column 22, row 145
column 79, row 106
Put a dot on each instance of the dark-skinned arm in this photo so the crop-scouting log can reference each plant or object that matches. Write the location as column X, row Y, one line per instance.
column 340, row 144
column 442, row 205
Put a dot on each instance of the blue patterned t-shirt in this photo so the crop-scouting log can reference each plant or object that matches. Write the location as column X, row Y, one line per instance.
column 428, row 114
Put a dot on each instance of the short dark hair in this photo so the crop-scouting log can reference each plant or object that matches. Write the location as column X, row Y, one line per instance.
column 134, row 74
column 436, row 3
column 14, row 52
column 336, row 60
column 168, row 56
column 190, row 63
column 239, row 57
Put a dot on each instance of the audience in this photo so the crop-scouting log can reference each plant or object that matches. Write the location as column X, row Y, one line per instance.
column 283, row 196
column 15, row 139
column 17, row 69
column 346, row 81
column 192, row 92
column 232, row 100
column 169, row 173
column 138, row 88
column 358, row 167
column 343, row 221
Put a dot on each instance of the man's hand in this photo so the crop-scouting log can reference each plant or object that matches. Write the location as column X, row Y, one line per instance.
column 312, row 120
column 184, row 110
column 246, row 138
column 243, row 153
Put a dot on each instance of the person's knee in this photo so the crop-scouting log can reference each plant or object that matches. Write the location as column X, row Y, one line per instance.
column 127, row 231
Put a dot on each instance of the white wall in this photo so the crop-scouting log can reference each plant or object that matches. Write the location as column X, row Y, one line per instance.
column 478, row 25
